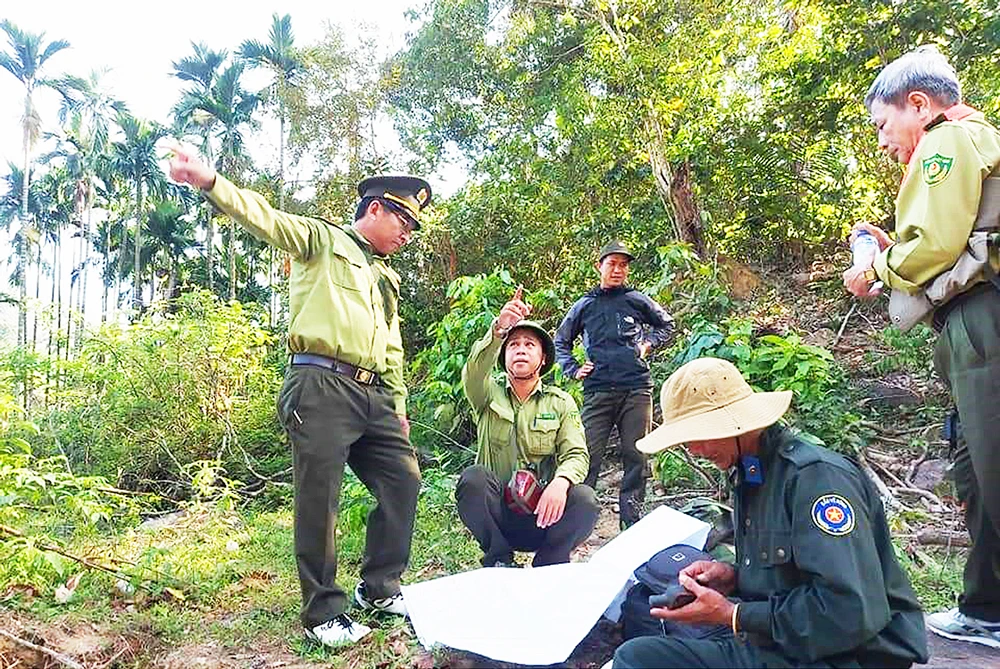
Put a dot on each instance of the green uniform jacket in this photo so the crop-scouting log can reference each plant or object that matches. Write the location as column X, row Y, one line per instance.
column 938, row 200
column 549, row 431
column 336, row 305
column 836, row 594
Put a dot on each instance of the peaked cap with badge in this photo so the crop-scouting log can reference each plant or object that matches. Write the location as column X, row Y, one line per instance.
column 615, row 246
column 406, row 195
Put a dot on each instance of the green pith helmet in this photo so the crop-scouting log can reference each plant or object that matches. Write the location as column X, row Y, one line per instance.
column 548, row 347
column 615, row 247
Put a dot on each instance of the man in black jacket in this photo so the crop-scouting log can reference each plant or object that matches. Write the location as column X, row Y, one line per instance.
column 620, row 326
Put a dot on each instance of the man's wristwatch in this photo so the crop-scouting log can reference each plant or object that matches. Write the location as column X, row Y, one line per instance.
column 498, row 331
column 870, row 274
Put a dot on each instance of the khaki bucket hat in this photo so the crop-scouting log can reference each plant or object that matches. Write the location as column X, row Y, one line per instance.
column 708, row 399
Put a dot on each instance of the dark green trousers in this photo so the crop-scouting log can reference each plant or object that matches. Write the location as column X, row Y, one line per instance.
column 967, row 356
column 682, row 653
column 500, row 531
column 631, row 411
column 332, row 421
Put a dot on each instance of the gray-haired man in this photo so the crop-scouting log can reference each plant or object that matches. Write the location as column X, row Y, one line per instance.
column 945, row 212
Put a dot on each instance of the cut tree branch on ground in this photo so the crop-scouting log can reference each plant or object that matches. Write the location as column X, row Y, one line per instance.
column 943, row 538
column 919, row 492
column 48, row 652
column 890, row 501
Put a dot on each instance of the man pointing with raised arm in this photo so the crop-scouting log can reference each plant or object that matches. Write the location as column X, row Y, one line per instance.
column 343, row 400
column 526, row 490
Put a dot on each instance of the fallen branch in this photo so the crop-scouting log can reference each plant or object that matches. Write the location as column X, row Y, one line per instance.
column 843, row 324
column 888, row 499
column 943, row 538
column 61, row 659
column 55, row 549
column 926, row 494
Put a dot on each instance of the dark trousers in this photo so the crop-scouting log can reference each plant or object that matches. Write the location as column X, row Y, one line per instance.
column 967, row 356
column 682, row 653
column 332, row 420
column 631, row 411
column 500, row 531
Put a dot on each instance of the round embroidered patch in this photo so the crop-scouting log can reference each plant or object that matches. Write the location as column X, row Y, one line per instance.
column 833, row 514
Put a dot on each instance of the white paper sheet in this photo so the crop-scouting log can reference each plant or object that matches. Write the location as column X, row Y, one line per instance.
column 538, row 616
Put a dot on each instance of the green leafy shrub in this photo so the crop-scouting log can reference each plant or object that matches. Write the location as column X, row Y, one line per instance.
column 770, row 362
column 141, row 403
column 442, row 419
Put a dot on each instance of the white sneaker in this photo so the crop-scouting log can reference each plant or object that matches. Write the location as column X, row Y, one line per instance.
column 953, row 624
column 338, row 632
column 394, row 604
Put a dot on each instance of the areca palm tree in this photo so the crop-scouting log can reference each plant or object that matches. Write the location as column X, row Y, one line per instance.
column 135, row 159
column 25, row 57
column 280, row 56
column 88, row 115
column 171, row 235
column 231, row 108
column 200, row 69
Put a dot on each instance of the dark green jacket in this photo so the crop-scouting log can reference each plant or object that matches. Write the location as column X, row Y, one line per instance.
column 816, row 573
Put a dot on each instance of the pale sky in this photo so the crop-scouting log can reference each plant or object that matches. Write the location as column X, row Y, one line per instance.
column 137, row 43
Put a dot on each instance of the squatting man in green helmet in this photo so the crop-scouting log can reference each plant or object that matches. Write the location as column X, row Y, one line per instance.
column 816, row 582
column 343, row 400
column 526, row 490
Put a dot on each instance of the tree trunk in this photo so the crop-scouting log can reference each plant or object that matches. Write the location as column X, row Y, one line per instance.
column 232, row 261
column 38, row 296
column 137, row 275
column 673, row 184
column 24, row 248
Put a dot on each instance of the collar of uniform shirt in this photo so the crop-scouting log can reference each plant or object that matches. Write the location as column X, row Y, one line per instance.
column 510, row 389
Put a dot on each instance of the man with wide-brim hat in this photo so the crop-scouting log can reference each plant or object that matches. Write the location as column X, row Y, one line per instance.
column 620, row 327
column 344, row 400
column 526, row 490
column 816, row 582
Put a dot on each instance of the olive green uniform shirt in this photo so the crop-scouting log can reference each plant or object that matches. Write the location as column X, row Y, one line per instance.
column 337, row 307
column 816, row 571
column 938, row 200
column 549, row 434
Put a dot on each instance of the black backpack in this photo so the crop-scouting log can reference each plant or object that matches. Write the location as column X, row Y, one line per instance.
column 655, row 576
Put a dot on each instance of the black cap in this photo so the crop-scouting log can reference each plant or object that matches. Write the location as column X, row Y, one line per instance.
column 407, row 195
column 615, row 247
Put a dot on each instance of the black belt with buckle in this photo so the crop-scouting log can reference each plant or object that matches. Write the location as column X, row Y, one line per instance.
column 359, row 374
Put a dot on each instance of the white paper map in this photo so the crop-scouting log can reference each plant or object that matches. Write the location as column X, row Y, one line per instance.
column 538, row 616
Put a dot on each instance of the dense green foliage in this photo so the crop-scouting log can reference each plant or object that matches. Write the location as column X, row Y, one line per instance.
column 702, row 133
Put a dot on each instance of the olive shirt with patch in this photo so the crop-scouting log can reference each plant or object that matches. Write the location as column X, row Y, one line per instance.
column 549, row 434
column 938, row 200
column 342, row 296
column 812, row 589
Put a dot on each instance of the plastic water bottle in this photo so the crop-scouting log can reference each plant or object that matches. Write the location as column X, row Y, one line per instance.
column 863, row 251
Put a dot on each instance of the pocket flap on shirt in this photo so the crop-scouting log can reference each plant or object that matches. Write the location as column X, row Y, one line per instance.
column 776, row 547
column 502, row 410
column 545, row 422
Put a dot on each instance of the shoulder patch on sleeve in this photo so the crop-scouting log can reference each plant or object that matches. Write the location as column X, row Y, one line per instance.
column 833, row 514
column 936, row 168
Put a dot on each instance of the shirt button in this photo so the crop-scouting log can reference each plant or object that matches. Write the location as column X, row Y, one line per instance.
column 763, row 555
column 747, row 522
column 781, row 552
column 747, row 562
